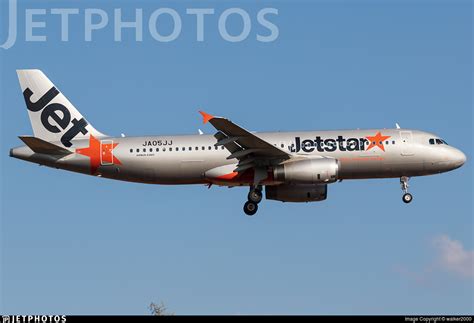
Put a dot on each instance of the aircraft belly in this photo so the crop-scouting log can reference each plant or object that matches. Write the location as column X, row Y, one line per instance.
column 359, row 165
column 170, row 170
column 404, row 165
column 191, row 169
column 372, row 165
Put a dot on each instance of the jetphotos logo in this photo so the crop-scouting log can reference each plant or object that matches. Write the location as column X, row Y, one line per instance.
column 340, row 143
column 158, row 24
column 33, row 318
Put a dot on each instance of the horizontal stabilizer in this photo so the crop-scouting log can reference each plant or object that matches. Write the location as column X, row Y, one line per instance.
column 43, row 147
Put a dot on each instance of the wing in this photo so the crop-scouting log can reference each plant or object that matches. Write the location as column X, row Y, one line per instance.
column 248, row 148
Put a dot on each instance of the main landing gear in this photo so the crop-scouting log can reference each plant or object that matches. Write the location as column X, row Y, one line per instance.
column 254, row 197
column 407, row 197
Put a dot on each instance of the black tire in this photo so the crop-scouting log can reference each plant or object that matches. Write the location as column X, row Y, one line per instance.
column 255, row 196
column 250, row 208
column 407, row 198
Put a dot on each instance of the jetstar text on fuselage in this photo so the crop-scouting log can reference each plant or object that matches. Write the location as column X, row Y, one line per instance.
column 329, row 145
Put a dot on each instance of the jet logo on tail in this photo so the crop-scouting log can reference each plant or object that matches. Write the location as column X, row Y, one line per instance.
column 51, row 111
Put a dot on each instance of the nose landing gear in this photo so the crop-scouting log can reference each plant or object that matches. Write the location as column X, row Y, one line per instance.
column 254, row 197
column 407, row 197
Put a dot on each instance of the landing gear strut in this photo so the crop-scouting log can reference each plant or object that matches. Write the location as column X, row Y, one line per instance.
column 407, row 197
column 254, row 197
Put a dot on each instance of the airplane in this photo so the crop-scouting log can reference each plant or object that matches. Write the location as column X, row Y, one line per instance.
column 291, row 166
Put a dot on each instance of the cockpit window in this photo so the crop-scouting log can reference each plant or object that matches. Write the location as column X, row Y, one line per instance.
column 437, row 141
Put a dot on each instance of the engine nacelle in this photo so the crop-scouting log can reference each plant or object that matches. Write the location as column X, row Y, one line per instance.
column 307, row 171
column 296, row 193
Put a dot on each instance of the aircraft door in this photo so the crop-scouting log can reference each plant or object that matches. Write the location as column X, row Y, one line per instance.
column 106, row 152
column 406, row 143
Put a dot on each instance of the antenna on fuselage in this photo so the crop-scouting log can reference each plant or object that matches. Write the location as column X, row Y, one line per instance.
column 397, row 125
column 200, row 131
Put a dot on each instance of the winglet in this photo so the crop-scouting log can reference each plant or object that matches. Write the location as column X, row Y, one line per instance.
column 206, row 116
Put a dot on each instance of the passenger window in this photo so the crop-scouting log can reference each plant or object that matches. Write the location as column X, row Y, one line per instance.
column 432, row 141
column 216, row 147
column 151, row 150
column 203, row 148
column 131, row 150
column 138, row 150
column 393, row 142
column 184, row 148
column 222, row 147
column 177, row 149
column 197, row 148
column 190, row 148
column 144, row 150
column 210, row 147
column 157, row 149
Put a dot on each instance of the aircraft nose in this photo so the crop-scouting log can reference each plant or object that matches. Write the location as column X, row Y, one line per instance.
column 458, row 158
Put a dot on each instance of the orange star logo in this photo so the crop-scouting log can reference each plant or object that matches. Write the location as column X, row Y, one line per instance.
column 377, row 140
column 99, row 153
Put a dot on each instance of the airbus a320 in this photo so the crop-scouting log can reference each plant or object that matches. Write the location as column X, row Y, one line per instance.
column 291, row 166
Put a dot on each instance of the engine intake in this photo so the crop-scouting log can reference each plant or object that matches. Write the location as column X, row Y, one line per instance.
column 308, row 171
column 296, row 193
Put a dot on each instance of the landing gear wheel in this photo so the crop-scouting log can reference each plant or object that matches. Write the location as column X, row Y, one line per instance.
column 250, row 208
column 255, row 196
column 407, row 198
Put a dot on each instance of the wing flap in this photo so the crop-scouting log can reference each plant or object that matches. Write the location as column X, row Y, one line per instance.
column 230, row 146
column 242, row 153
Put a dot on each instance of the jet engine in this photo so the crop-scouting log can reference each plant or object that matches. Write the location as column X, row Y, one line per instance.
column 296, row 193
column 307, row 171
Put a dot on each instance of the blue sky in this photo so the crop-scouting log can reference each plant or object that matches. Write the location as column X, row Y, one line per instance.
column 78, row 244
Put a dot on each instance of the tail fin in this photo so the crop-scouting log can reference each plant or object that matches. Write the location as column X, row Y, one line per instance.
column 52, row 116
